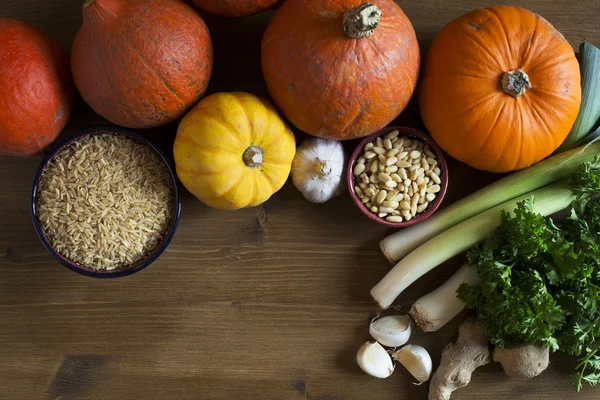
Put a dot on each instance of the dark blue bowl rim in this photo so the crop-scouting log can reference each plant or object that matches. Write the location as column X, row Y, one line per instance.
column 138, row 265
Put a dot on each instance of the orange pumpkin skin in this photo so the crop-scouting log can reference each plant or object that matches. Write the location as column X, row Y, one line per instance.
column 334, row 86
column 141, row 63
column 462, row 100
column 37, row 91
column 235, row 8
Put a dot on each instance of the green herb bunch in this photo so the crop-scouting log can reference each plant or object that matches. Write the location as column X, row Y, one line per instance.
column 540, row 278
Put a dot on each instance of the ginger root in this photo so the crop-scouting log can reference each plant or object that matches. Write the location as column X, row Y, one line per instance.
column 524, row 361
column 459, row 360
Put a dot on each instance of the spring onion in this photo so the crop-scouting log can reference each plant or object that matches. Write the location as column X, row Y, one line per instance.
column 461, row 237
column 543, row 173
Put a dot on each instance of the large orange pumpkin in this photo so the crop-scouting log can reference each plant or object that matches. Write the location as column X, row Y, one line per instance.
column 141, row 63
column 501, row 89
column 235, row 8
column 36, row 89
column 340, row 69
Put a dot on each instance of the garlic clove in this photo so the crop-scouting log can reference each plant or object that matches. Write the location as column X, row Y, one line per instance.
column 391, row 331
column 375, row 360
column 416, row 360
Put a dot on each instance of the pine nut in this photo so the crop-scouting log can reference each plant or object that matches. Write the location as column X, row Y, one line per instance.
column 403, row 164
column 415, row 154
column 416, row 161
column 368, row 147
column 415, row 188
column 413, row 211
column 386, row 210
column 404, row 205
column 402, row 173
column 381, row 196
column 368, row 204
column 372, row 186
column 363, row 185
column 408, row 148
column 400, row 186
column 383, row 177
column 406, row 197
column 391, row 168
column 424, row 164
column 403, row 155
column 392, row 152
column 373, row 179
column 358, row 191
column 433, row 189
column 391, row 184
column 392, row 134
column 407, row 142
column 407, row 182
column 406, row 215
column 365, row 199
column 437, row 171
column 422, row 199
column 423, row 192
column 379, row 142
column 430, row 197
column 397, row 197
column 422, row 207
column 426, row 180
column 410, row 191
column 382, row 158
column 359, row 169
column 394, row 218
column 397, row 144
column 387, row 143
column 373, row 167
column 420, row 171
column 414, row 200
column 370, row 154
column 420, row 180
column 430, row 154
column 390, row 161
column 413, row 174
column 379, row 150
column 395, row 212
column 374, row 209
column 413, row 168
column 361, row 160
column 381, row 167
column 396, row 178
column 435, row 178
column 382, row 215
column 432, row 161
column 369, row 192
column 390, row 195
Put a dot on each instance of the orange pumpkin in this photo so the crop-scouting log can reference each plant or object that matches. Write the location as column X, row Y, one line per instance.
column 501, row 89
column 234, row 8
column 340, row 69
column 141, row 63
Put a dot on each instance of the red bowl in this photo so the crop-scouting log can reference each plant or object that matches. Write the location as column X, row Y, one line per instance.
column 404, row 132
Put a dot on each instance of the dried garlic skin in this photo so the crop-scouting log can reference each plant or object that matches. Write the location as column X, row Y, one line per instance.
column 318, row 169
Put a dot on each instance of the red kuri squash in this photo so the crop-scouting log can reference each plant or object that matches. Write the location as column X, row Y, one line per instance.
column 37, row 91
column 340, row 69
column 141, row 63
column 500, row 89
column 235, row 8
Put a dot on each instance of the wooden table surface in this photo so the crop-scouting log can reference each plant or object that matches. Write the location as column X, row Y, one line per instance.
column 265, row 303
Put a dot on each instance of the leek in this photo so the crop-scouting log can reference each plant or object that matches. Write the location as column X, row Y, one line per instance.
column 461, row 237
column 552, row 169
column 589, row 113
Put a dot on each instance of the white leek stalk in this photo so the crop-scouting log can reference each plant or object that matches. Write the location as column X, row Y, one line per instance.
column 462, row 237
column 434, row 310
column 552, row 169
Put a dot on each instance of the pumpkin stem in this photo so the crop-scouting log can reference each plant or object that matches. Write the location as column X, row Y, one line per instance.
column 323, row 167
column 361, row 21
column 515, row 82
column 253, row 156
column 88, row 3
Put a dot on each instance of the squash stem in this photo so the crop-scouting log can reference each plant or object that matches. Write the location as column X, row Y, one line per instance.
column 515, row 82
column 361, row 21
column 253, row 156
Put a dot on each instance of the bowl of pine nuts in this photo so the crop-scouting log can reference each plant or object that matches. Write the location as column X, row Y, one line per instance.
column 397, row 176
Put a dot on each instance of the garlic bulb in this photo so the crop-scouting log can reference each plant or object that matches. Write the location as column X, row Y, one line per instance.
column 318, row 169
column 375, row 360
column 416, row 360
column 391, row 331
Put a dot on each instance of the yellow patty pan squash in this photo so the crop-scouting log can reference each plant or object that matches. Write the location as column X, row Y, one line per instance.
column 233, row 151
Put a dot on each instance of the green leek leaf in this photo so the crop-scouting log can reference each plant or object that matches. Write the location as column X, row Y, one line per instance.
column 589, row 112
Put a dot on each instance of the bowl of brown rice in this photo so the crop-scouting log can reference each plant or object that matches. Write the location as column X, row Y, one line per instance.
column 105, row 203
